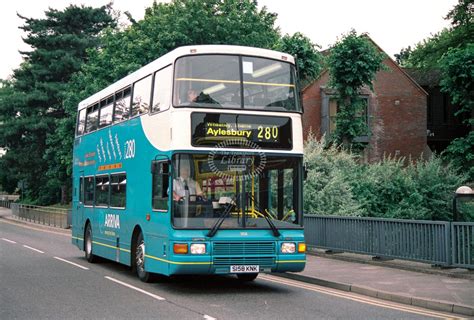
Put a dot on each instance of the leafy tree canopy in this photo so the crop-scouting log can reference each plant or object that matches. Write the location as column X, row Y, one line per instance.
column 353, row 63
column 31, row 103
column 427, row 53
column 309, row 60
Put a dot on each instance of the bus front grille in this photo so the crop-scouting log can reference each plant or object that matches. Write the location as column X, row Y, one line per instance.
column 243, row 248
column 232, row 261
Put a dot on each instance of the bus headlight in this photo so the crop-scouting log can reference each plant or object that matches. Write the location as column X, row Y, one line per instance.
column 288, row 247
column 198, row 248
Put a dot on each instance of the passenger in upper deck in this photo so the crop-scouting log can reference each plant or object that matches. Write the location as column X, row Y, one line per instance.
column 192, row 95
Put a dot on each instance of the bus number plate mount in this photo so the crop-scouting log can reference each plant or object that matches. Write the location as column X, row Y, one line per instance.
column 244, row 269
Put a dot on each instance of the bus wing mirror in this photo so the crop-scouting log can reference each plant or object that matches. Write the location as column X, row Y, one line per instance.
column 305, row 173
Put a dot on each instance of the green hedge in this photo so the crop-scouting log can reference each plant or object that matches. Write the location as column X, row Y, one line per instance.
column 338, row 183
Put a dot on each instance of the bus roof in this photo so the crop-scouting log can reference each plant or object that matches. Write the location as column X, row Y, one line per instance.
column 171, row 56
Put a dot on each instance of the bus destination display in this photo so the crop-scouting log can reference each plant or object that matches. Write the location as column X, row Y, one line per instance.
column 210, row 129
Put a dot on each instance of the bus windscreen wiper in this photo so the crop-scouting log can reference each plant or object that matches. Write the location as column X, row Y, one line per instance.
column 276, row 233
column 221, row 219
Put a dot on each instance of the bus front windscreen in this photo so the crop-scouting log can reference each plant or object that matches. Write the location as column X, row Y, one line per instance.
column 235, row 82
column 245, row 190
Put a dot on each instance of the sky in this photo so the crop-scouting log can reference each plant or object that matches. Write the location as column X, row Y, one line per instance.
column 393, row 25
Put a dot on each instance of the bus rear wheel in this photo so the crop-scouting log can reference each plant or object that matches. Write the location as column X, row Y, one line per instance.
column 139, row 262
column 90, row 257
column 247, row 277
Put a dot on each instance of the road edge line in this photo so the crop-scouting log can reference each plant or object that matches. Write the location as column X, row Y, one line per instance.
column 431, row 304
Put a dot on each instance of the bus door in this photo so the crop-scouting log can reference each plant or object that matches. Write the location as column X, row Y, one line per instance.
column 160, row 217
column 78, row 207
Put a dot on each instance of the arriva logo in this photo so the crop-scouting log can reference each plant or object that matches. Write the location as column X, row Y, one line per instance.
column 112, row 221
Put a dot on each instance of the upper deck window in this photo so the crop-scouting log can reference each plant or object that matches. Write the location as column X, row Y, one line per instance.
column 92, row 118
column 141, row 96
column 81, row 122
column 106, row 109
column 122, row 104
column 234, row 82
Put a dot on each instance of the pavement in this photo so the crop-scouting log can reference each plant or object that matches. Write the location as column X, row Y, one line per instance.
column 411, row 283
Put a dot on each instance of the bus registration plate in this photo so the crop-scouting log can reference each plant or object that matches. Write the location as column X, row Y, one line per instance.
column 244, row 269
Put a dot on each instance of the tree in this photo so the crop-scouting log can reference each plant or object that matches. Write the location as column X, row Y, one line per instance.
column 451, row 51
column 309, row 60
column 353, row 63
column 457, row 67
column 427, row 53
column 32, row 102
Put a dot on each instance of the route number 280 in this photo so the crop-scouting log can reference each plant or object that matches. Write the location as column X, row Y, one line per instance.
column 129, row 149
column 267, row 133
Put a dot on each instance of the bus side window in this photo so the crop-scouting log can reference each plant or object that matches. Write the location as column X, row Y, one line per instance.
column 122, row 105
column 118, row 190
column 141, row 96
column 81, row 121
column 160, row 187
column 162, row 90
column 102, row 191
column 106, row 108
column 89, row 187
column 92, row 118
column 81, row 190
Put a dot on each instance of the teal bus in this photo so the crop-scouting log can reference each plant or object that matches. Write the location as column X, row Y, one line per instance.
column 193, row 164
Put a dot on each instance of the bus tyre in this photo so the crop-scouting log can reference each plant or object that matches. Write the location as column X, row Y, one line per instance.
column 88, row 245
column 247, row 277
column 139, row 262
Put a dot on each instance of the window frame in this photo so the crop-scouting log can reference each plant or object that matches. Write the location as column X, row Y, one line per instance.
column 111, row 96
column 95, row 189
column 131, row 116
column 122, row 91
column 162, row 181
column 92, row 106
column 93, row 193
column 110, row 190
column 84, row 110
column 326, row 117
column 152, row 112
column 298, row 101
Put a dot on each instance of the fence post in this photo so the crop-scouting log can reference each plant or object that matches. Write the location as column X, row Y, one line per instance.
column 449, row 243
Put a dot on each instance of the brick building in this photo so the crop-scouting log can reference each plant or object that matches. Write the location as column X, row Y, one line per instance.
column 395, row 113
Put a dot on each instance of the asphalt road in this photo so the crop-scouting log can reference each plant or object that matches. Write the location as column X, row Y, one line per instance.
column 43, row 276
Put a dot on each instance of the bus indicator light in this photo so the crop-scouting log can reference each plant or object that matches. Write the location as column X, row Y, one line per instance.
column 180, row 248
column 301, row 247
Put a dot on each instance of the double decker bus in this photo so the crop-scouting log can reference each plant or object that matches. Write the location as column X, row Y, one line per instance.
column 193, row 165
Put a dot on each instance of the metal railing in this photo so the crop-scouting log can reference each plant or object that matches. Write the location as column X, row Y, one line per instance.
column 55, row 217
column 463, row 244
column 5, row 203
column 436, row 242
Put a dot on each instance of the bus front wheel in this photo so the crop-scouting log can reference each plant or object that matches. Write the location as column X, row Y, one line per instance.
column 139, row 262
column 88, row 245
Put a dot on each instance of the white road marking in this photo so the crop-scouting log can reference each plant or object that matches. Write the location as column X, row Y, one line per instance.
column 19, row 224
column 70, row 262
column 31, row 248
column 7, row 240
column 358, row 298
column 154, row 296
column 209, row 317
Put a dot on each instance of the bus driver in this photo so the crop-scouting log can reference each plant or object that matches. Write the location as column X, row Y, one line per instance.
column 183, row 183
